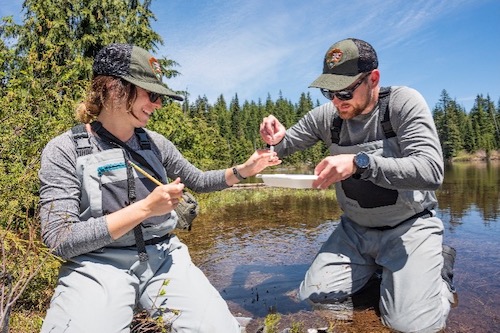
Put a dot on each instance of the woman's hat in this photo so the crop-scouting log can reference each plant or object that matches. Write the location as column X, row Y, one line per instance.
column 133, row 64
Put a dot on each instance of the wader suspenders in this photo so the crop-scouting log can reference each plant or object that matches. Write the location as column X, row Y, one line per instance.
column 139, row 237
column 82, row 140
column 383, row 104
column 83, row 147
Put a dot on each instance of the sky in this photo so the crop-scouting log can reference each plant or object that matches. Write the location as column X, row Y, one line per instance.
column 260, row 48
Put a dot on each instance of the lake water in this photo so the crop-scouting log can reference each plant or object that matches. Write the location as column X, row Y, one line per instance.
column 256, row 254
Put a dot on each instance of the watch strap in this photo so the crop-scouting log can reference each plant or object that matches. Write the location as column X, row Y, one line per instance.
column 360, row 168
column 237, row 174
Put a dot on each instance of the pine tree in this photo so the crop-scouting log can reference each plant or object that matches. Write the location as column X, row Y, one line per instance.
column 447, row 115
column 483, row 124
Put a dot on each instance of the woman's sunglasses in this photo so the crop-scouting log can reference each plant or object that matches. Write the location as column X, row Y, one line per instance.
column 346, row 94
column 153, row 97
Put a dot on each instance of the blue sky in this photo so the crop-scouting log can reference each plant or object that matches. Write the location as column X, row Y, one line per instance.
column 260, row 47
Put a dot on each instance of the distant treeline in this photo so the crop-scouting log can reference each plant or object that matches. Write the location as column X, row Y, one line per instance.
column 46, row 66
column 459, row 130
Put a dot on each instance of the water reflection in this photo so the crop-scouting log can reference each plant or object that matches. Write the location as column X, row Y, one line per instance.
column 469, row 203
column 469, row 187
column 257, row 254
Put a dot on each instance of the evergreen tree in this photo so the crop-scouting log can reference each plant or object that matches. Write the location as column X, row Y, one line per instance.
column 200, row 109
column 446, row 115
column 223, row 117
column 497, row 124
column 240, row 145
column 251, row 127
column 304, row 106
column 483, row 124
column 493, row 115
column 269, row 107
column 235, row 112
column 284, row 111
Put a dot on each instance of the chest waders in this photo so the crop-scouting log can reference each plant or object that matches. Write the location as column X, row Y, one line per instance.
column 107, row 178
column 364, row 202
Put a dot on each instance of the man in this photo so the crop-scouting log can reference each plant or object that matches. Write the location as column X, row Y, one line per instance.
column 385, row 162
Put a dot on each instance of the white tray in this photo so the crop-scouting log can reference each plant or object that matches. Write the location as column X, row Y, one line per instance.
column 288, row 180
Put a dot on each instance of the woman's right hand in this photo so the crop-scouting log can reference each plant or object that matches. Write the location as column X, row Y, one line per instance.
column 271, row 130
column 164, row 198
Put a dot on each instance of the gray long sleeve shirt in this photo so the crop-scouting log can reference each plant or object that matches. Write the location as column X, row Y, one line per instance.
column 62, row 229
column 421, row 165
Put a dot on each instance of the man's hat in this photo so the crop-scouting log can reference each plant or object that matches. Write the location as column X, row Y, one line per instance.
column 344, row 63
column 133, row 64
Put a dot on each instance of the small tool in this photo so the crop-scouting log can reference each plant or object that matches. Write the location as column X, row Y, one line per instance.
column 148, row 176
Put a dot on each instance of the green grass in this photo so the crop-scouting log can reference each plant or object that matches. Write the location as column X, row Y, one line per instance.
column 214, row 200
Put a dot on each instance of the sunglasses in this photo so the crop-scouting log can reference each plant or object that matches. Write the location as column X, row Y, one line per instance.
column 343, row 95
column 153, row 97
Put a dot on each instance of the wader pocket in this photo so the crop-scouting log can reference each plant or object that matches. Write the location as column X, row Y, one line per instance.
column 367, row 194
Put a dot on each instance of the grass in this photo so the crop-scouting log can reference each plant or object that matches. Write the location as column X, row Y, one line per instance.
column 271, row 322
column 481, row 155
column 214, row 200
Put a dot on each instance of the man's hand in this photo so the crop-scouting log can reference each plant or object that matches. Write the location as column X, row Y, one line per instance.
column 333, row 169
column 271, row 130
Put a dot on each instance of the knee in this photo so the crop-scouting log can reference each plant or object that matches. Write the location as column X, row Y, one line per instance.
column 414, row 322
column 306, row 291
column 314, row 294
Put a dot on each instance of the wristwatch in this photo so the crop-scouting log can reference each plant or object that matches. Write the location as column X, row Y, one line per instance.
column 362, row 162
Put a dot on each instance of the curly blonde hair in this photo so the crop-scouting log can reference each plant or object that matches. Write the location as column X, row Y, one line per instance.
column 100, row 93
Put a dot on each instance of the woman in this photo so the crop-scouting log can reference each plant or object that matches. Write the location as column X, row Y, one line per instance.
column 113, row 225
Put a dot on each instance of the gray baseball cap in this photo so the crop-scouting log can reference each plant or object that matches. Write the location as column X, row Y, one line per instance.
column 345, row 61
column 133, row 64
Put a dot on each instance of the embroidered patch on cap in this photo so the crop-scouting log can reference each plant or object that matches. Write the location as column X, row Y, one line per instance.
column 155, row 66
column 333, row 57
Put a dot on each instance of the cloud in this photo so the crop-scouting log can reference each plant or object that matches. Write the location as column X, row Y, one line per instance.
column 226, row 66
column 233, row 56
column 253, row 48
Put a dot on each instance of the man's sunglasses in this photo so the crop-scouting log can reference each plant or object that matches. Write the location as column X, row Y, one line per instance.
column 346, row 94
column 153, row 97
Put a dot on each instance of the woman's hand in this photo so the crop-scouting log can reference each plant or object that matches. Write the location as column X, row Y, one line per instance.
column 165, row 198
column 260, row 159
column 161, row 201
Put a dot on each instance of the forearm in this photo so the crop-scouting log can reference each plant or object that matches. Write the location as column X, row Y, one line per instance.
column 195, row 179
column 313, row 127
column 125, row 219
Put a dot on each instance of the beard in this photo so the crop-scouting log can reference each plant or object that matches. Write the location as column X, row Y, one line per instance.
column 348, row 110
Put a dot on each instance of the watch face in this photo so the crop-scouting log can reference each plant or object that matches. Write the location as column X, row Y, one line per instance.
column 362, row 160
